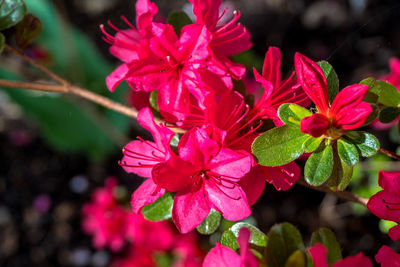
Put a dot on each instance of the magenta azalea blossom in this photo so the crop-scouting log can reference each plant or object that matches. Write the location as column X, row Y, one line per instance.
column 221, row 256
column 347, row 112
column 394, row 76
column 276, row 91
column 318, row 256
column 386, row 203
column 387, row 257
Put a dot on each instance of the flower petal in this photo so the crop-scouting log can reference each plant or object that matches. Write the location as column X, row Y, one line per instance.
column 348, row 98
column 318, row 255
column 354, row 261
column 390, row 181
column 314, row 125
column 354, row 118
column 116, row 77
column 145, row 194
column 282, row 177
column 387, row 257
column 253, row 184
column 221, row 256
column 394, row 232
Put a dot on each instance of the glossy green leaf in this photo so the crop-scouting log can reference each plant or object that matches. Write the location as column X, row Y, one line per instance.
column 331, row 78
column 311, row 144
column 373, row 115
column 319, row 165
column 341, row 173
column 153, row 100
column 210, row 224
column 297, row 259
column 366, row 143
column 327, row 238
column 2, row 42
column 374, row 90
column 11, row 12
column 28, row 30
column 389, row 95
column 292, row 113
column 348, row 152
column 159, row 210
column 279, row 146
column 229, row 237
column 178, row 19
column 283, row 240
column 389, row 114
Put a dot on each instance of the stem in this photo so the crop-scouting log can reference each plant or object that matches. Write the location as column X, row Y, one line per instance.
column 341, row 194
column 389, row 153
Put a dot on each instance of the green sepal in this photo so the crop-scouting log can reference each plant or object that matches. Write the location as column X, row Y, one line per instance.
column 178, row 19
column 11, row 12
column 292, row 113
column 348, row 152
column 365, row 142
column 319, row 165
column 283, row 240
column 312, row 143
column 210, row 224
column 279, row 145
column 331, row 78
column 389, row 114
column 257, row 238
column 327, row 238
column 159, row 210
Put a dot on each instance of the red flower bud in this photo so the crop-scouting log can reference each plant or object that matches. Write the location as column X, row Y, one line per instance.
column 315, row 125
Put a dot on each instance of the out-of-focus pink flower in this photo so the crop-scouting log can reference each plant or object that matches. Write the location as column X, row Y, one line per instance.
column 276, row 90
column 221, row 256
column 387, row 257
column 347, row 112
column 187, row 251
column 386, row 203
column 137, row 256
column 318, row 255
column 105, row 219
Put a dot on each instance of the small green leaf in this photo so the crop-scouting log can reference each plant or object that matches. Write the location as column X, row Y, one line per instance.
column 210, row 223
column 297, row 259
column 311, row 144
column 178, row 19
column 389, row 95
column 373, row 115
column 347, row 152
column 327, row 238
column 373, row 90
column 319, row 165
column 292, row 113
column 11, row 12
column 153, row 100
column 229, row 237
column 283, row 240
column 2, row 42
column 159, row 210
column 28, row 30
column 279, row 146
column 331, row 78
column 389, row 114
column 341, row 173
column 367, row 143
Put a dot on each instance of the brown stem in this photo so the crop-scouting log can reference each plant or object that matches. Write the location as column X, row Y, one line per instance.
column 389, row 153
column 341, row 194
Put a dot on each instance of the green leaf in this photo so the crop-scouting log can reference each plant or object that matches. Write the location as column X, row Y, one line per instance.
column 11, row 12
column 159, row 210
column 389, row 95
column 229, row 237
column 341, row 173
column 389, row 114
column 311, row 144
column 279, row 146
column 373, row 115
column 348, row 152
column 331, row 78
column 28, row 30
column 153, row 100
column 373, row 90
column 2, row 42
column 178, row 19
column 292, row 113
column 283, row 240
column 327, row 238
column 367, row 143
column 210, row 223
column 297, row 259
column 319, row 165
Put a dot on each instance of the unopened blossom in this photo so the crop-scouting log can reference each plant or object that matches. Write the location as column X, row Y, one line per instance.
column 386, row 203
column 318, row 256
column 222, row 256
column 276, row 91
column 347, row 112
column 387, row 257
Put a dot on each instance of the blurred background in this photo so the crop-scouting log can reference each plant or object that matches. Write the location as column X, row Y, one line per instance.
column 55, row 149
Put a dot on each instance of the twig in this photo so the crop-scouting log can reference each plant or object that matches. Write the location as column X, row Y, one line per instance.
column 389, row 153
column 341, row 194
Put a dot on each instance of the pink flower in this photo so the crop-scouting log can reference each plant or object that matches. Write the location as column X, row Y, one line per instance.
column 204, row 176
column 105, row 219
column 276, row 91
column 221, row 256
column 386, row 203
column 228, row 38
column 387, row 257
column 187, row 251
column 347, row 112
column 318, row 255
column 137, row 256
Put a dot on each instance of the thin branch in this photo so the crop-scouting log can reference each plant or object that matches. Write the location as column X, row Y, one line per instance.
column 346, row 195
column 389, row 153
